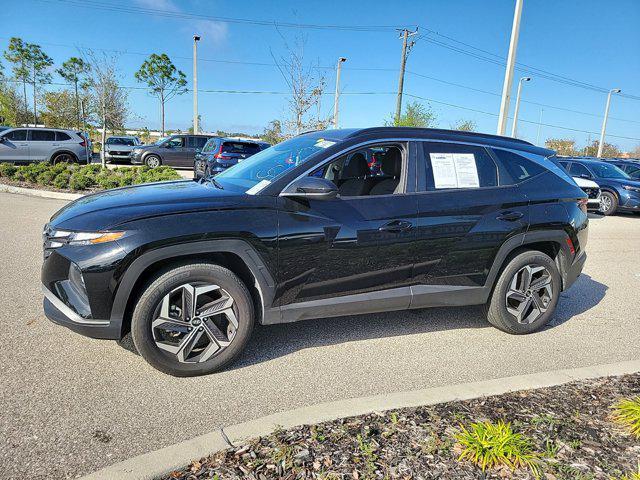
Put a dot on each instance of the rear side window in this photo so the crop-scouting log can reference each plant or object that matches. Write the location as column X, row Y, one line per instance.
column 517, row 168
column 240, row 147
column 210, row 146
column 43, row 136
column 197, row 142
column 62, row 137
column 17, row 135
column 451, row 165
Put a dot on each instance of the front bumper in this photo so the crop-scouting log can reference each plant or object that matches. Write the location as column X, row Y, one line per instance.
column 117, row 156
column 629, row 200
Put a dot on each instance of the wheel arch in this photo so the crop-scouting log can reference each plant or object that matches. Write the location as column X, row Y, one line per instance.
column 236, row 255
column 63, row 151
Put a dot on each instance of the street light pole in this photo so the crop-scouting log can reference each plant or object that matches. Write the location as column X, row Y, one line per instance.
column 604, row 120
column 196, row 39
column 514, row 127
column 341, row 60
column 508, row 74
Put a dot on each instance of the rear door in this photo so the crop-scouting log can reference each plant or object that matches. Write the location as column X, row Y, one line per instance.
column 464, row 215
column 15, row 147
column 41, row 144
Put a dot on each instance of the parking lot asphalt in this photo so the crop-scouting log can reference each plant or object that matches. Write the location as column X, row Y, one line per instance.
column 71, row 405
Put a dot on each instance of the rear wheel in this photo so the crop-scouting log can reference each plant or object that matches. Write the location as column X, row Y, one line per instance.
column 526, row 294
column 193, row 320
column 152, row 161
column 63, row 158
column 608, row 203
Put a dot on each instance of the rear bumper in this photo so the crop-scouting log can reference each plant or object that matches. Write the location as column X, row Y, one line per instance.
column 574, row 270
column 59, row 313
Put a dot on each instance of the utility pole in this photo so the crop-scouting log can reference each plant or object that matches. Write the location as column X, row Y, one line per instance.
column 403, row 62
column 341, row 60
column 604, row 120
column 508, row 74
column 514, row 127
column 196, row 39
column 539, row 127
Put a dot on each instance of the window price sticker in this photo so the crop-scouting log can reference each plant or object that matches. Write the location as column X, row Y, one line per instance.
column 454, row 170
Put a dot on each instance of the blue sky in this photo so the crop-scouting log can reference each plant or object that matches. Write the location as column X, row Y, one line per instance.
column 591, row 41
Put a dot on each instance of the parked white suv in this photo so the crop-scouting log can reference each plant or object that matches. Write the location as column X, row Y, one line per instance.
column 592, row 189
column 119, row 148
column 29, row 144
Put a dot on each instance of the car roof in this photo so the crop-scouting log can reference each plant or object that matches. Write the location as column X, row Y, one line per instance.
column 438, row 134
column 75, row 132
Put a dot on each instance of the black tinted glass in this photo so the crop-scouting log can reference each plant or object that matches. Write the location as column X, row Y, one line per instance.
column 43, row 136
column 518, row 168
column 239, row 147
column 578, row 170
column 197, row 142
column 17, row 135
column 62, row 137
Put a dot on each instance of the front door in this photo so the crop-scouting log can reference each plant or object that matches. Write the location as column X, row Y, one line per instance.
column 467, row 209
column 358, row 243
column 174, row 152
column 14, row 148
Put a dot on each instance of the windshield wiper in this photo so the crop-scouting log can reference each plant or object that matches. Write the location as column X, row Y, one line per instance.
column 216, row 184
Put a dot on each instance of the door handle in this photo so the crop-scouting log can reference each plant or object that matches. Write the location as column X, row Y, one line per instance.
column 396, row 226
column 510, row 216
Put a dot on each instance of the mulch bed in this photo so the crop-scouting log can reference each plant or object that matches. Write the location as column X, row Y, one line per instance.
column 570, row 426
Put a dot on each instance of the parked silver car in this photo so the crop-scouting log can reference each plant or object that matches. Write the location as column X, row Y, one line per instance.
column 28, row 144
column 119, row 148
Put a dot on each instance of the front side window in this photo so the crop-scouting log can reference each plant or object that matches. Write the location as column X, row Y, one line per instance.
column 453, row 166
column 354, row 176
column 578, row 170
column 268, row 164
column 43, row 136
column 176, row 142
column 16, row 135
column 606, row 170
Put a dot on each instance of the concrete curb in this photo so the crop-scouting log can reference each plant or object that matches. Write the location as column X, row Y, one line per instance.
column 39, row 193
column 160, row 462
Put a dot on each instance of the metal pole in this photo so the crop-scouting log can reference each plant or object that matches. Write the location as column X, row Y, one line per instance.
column 514, row 126
column 403, row 61
column 196, row 39
column 508, row 74
column 341, row 60
column 604, row 120
column 539, row 127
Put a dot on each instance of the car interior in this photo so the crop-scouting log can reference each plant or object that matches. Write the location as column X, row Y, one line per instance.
column 369, row 171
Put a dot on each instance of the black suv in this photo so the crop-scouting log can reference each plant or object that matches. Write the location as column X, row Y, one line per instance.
column 305, row 229
column 174, row 151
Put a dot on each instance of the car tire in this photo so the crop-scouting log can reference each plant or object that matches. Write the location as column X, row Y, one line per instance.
column 516, row 305
column 64, row 158
column 608, row 203
column 152, row 161
column 198, row 337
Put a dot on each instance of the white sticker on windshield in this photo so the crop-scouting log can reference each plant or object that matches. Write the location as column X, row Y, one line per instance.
column 322, row 143
column 454, row 170
column 257, row 187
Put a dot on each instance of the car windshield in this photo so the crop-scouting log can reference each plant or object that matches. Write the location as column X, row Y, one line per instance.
column 606, row 170
column 121, row 141
column 266, row 165
column 161, row 140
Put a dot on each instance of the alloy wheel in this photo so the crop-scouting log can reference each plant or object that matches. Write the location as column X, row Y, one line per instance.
column 63, row 158
column 605, row 203
column 153, row 162
column 194, row 322
column 530, row 293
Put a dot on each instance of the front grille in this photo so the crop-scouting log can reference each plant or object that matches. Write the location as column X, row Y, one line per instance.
column 125, row 154
column 591, row 192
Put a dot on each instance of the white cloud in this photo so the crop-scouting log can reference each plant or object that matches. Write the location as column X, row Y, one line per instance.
column 166, row 5
column 211, row 31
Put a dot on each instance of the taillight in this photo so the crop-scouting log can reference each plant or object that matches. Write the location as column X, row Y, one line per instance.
column 571, row 247
column 220, row 155
column 582, row 204
column 83, row 143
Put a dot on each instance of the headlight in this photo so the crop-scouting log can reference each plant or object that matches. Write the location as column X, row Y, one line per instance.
column 631, row 189
column 58, row 238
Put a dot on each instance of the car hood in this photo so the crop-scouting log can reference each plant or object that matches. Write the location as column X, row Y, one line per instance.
column 106, row 210
column 585, row 183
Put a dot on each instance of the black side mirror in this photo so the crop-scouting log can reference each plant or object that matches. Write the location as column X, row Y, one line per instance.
column 311, row 188
column 3, row 139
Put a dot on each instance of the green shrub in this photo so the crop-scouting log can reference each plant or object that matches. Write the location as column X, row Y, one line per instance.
column 46, row 177
column 80, row 181
column 7, row 170
column 626, row 412
column 61, row 180
column 19, row 174
column 490, row 445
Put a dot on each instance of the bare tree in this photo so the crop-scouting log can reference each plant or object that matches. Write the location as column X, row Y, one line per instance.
column 306, row 86
column 108, row 100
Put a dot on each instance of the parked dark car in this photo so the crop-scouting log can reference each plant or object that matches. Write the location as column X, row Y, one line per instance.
column 629, row 166
column 619, row 191
column 303, row 230
column 221, row 153
column 175, row 151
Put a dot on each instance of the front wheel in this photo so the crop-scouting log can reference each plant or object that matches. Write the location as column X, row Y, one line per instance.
column 608, row 203
column 526, row 294
column 152, row 161
column 193, row 320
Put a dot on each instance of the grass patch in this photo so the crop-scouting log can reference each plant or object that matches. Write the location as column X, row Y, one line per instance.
column 626, row 412
column 71, row 176
column 491, row 445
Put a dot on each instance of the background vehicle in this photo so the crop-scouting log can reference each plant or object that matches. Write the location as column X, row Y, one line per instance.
column 221, row 153
column 175, row 151
column 592, row 189
column 620, row 192
column 42, row 145
column 2, row 129
column 120, row 148
column 629, row 166
column 303, row 230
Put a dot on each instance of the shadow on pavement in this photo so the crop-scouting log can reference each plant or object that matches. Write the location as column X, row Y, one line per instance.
column 271, row 342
